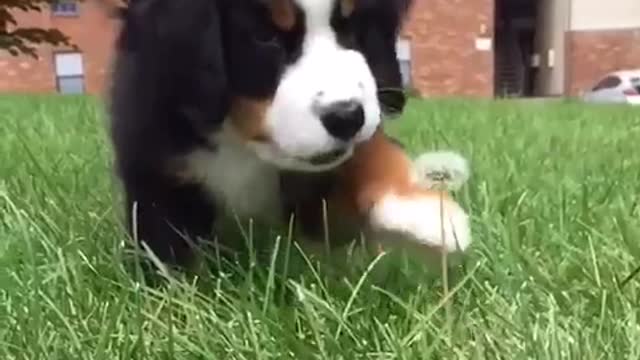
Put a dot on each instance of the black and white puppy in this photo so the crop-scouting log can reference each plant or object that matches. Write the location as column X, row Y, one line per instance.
column 213, row 101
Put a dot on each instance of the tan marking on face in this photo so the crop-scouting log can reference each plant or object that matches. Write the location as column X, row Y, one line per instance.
column 248, row 117
column 283, row 14
column 347, row 7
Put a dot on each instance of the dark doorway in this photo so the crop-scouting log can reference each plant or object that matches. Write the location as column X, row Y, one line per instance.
column 514, row 67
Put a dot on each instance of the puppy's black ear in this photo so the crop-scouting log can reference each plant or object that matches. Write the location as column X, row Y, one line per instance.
column 169, row 85
column 379, row 24
column 405, row 7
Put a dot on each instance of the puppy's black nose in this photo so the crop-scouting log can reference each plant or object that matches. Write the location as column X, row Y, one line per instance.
column 343, row 119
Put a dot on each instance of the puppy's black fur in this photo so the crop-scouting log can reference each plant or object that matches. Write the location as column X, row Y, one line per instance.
column 178, row 66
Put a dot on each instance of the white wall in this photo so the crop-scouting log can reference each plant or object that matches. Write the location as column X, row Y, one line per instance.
column 550, row 46
column 403, row 53
column 604, row 14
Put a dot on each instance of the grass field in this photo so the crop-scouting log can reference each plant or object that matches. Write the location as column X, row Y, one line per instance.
column 553, row 196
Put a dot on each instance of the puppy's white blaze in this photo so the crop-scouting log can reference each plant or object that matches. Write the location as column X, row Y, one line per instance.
column 236, row 178
column 441, row 167
column 318, row 13
column 325, row 73
column 421, row 219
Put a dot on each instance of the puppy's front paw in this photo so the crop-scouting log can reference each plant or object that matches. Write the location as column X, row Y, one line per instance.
column 423, row 219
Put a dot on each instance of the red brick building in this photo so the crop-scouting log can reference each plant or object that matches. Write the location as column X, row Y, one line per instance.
column 88, row 28
column 478, row 48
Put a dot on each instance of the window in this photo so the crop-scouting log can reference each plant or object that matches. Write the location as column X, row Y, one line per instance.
column 607, row 83
column 64, row 8
column 635, row 82
column 403, row 51
column 69, row 72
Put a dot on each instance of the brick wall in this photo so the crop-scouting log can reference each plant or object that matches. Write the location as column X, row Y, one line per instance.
column 593, row 53
column 442, row 34
column 445, row 60
column 93, row 32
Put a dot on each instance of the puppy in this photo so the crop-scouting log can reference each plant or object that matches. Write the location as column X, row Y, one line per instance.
column 264, row 108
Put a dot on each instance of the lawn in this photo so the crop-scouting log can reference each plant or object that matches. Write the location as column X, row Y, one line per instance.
column 554, row 199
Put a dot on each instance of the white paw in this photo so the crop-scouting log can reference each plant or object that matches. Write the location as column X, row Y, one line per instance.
column 420, row 220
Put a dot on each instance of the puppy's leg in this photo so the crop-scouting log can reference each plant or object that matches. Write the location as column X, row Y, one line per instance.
column 169, row 91
column 379, row 186
column 169, row 216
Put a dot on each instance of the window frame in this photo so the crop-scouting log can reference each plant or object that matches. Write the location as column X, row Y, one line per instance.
column 602, row 84
column 58, row 77
column 58, row 12
column 635, row 83
column 403, row 56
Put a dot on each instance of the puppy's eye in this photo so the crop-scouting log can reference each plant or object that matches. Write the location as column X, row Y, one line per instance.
column 266, row 37
column 266, row 34
column 266, row 40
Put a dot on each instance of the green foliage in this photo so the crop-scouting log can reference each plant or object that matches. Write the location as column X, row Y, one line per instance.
column 20, row 40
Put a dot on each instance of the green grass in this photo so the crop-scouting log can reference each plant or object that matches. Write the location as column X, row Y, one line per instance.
column 554, row 200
